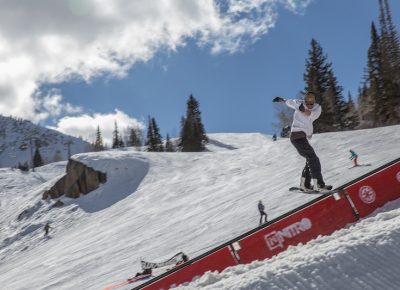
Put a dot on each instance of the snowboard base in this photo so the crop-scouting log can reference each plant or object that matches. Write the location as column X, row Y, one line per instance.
column 298, row 189
column 360, row 165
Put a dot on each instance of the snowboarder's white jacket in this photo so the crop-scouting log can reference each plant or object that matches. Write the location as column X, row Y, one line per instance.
column 301, row 122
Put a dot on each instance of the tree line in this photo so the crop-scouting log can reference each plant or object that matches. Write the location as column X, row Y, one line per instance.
column 378, row 100
column 192, row 136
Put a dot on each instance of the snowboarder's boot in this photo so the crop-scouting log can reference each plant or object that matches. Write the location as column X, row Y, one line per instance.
column 304, row 185
column 320, row 186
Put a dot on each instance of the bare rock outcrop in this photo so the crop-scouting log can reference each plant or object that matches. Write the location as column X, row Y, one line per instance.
column 79, row 179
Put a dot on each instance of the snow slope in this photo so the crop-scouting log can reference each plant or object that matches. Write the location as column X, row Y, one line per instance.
column 157, row 204
column 19, row 139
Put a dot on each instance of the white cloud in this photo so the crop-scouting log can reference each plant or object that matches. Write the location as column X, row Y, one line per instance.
column 296, row 6
column 51, row 105
column 47, row 41
column 85, row 126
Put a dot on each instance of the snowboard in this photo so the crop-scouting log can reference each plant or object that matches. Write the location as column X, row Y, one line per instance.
column 360, row 165
column 298, row 189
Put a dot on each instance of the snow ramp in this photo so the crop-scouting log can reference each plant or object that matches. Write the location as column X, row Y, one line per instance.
column 321, row 216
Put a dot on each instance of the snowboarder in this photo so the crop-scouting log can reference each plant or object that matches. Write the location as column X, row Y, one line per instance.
column 46, row 229
column 306, row 111
column 353, row 157
column 261, row 209
column 274, row 137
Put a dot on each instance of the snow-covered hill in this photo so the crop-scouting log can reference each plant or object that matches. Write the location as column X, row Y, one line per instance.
column 157, row 204
column 19, row 139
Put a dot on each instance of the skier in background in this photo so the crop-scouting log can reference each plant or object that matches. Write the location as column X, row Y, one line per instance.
column 306, row 111
column 261, row 209
column 46, row 229
column 354, row 157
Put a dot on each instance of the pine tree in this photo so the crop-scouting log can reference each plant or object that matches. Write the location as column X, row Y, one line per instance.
column 37, row 159
column 366, row 109
column 316, row 71
column 117, row 139
column 181, row 133
column 388, row 106
column 193, row 137
column 134, row 138
column 169, row 147
column 320, row 80
column 393, row 42
column 150, row 136
column 154, row 139
column 157, row 136
column 336, row 106
column 98, row 143
column 379, row 103
column 351, row 117
column 373, row 97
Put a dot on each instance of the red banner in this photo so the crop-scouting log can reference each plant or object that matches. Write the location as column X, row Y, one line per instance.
column 375, row 190
column 320, row 218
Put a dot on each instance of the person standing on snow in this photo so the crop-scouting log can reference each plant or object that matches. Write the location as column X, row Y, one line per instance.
column 261, row 209
column 306, row 111
column 353, row 157
column 46, row 229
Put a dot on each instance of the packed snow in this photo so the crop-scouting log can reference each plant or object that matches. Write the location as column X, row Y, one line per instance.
column 155, row 205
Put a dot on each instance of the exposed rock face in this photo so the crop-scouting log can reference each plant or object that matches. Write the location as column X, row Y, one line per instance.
column 79, row 179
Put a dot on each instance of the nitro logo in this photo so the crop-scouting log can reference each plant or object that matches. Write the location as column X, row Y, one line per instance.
column 276, row 239
column 398, row 176
column 367, row 194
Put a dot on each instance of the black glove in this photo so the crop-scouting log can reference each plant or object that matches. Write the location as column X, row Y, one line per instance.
column 278, row 99
column 301, row 108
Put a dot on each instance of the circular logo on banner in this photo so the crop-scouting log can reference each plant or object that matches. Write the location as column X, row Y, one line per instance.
column 305, row 224
column 367, row 194
column 398, row 176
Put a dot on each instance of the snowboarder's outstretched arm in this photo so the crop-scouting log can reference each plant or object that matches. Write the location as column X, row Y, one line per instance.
column 294, row 104
column 279, row 100
column 313, row 113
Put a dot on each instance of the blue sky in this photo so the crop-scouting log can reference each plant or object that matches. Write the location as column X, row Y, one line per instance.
column 233, row 74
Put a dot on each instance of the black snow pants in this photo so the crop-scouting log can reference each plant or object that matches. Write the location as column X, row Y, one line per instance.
column 263, row 214
column 312, row 170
